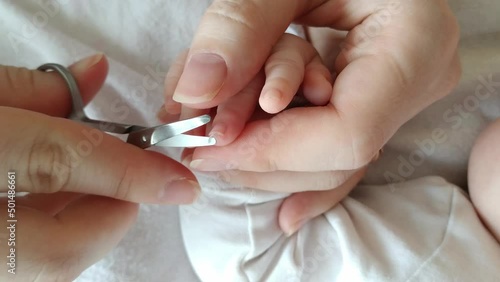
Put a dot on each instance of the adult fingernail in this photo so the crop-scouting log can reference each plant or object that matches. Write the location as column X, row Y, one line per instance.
column 86, row 63
column 202, row 79
column 180, row 191
column 295, row 227
column 208, row 165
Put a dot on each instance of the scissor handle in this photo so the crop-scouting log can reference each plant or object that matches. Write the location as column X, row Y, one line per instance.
column 143, row 137
column 77, row 112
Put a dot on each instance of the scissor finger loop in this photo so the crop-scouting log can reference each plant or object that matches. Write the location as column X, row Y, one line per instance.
column 169, row 135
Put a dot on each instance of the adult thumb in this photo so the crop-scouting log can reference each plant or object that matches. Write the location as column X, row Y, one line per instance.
column 230, row 47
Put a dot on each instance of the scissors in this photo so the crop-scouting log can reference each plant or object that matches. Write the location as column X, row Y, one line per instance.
column 167, row 135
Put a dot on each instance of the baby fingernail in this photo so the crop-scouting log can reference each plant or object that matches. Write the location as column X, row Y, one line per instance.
column 180, row 191
column 202, row 79
column 218, row 131
column 273, row 95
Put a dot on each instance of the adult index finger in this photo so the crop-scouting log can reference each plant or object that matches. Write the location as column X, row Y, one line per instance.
column 51, row 154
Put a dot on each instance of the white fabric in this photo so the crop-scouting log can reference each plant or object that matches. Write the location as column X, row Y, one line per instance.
column 419, row 230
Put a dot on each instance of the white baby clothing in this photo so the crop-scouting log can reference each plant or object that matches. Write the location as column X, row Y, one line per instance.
column 420, row 230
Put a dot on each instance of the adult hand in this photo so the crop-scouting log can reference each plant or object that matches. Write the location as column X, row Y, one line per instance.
column 60, row 231
column 397, row 58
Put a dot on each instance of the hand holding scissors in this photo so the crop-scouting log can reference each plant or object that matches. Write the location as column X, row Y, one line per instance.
column 169, row 135
column 78, row 207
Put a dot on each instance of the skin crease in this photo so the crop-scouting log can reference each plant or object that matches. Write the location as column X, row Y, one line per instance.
column 484, row 177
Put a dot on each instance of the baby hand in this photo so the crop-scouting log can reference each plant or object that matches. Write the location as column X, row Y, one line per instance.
column 293, row 66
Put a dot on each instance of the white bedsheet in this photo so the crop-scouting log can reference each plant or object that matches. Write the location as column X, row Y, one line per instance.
column 141, row 38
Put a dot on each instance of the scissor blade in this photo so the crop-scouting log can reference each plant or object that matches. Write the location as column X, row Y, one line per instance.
column 183, row 140
column 182, row 126
column 167, row 131
column 147, row 137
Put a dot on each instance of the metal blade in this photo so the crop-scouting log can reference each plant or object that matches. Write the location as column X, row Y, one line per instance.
column 183, row 140
column 151, row 136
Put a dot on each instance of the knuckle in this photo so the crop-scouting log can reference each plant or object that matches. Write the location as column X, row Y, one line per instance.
column 243, row 13
column 282, row 62
column 124, row 186
column 281, row 83
column 17, row 80
column 48, row 168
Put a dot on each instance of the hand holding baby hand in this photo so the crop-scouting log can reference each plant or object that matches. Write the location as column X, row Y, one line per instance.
column 397, row 58
column 294, row 65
